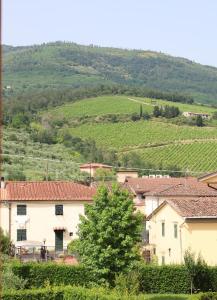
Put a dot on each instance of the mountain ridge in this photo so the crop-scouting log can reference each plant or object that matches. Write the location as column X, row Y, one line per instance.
column 59, row 63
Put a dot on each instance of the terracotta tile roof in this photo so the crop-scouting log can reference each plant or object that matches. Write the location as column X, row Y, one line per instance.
column 198, row 207
column 94, row 166
column 195, row 207
column 170, row 187
column 46, row 191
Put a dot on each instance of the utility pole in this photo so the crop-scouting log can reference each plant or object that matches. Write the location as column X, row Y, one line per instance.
column 46, row 171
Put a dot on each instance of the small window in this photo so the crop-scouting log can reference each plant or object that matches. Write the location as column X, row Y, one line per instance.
column 21, row 235
column 21, row 210
column 163, row 260
column 175, row 231
column 163, row 228
column 59, row 210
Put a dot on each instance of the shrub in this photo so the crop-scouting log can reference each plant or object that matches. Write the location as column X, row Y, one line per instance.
column 38, row 274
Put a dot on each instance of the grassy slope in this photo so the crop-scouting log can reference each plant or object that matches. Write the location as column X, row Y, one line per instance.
column 158, row 142
column 60, row 64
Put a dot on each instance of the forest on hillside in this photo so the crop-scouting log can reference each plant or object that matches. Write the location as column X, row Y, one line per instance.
column 58, row 65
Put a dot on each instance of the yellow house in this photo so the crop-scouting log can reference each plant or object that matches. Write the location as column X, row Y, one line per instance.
column 181, row 224
column 46, row 211
column 210, row 179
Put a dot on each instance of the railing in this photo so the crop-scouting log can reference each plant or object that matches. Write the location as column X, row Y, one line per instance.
column 45, row 253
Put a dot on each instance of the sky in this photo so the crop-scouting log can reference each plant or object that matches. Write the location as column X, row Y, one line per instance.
column 186, row 28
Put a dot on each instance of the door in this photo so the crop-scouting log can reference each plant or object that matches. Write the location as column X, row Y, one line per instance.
column 59, row 240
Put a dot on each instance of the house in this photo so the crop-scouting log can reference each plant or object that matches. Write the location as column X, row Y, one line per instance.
column 210, row 179
column 181, row 224
column 46, row 211
column 189, row 114
column 91, row 168
column 124, row 174
column 149, row 193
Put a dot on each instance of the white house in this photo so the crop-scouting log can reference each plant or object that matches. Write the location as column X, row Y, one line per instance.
column 46, row 211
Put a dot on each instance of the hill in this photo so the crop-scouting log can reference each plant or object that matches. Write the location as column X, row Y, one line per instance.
column 59, row 65
column 105, row 129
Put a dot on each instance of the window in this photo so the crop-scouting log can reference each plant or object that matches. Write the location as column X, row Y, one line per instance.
column 59, row 210
column 175, row 231
column 21, row 235
column 163, row 260
column 163, row 228
column 21, row 210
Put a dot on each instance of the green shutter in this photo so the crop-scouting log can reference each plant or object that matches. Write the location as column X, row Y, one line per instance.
column 21, row 210
column 175, row 231
column 59, row 240
column 59, row 210
column 21, row 235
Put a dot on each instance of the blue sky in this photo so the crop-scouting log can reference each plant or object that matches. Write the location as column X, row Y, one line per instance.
column 186, row 28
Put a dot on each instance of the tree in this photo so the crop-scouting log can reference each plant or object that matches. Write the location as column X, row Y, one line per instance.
column 198, row 271
column 109, row 234
column 4, row 242
column 199, row 121
column 141, row 112
column 156, row 112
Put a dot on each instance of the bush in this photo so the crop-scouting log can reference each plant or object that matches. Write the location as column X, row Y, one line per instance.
column 38, row 274
column 153, row 279
column 164, row 279
column 63, row 293
column 208, row 296
column 11, row 281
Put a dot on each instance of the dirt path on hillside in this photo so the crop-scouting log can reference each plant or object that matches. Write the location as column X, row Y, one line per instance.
column 161, row 145
column 141, row 102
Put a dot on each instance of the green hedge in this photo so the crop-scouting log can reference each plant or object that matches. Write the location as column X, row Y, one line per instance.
column 164, row 279
column 153, row 279
column 58, row 293
column 79, row 293
column 208, row 296
column 38, row 274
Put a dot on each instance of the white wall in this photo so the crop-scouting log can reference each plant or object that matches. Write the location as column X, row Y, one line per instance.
column 42, row 220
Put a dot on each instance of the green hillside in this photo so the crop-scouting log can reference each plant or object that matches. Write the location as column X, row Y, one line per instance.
column 94, row 129
column 58, row 65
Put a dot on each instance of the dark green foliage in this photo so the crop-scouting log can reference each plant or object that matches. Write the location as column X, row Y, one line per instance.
column 166, row 111
column 108, row 234
column 156, row 112
column 68, row 64
column 38, row 274
column 4, row 242
column 208, row 296
column 135, row 117
column 21, row 109
column 199, row 121
column 153, row 279
column 15, row 174
column 164, row 279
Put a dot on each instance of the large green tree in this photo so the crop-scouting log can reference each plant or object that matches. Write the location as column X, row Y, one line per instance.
column 109, row 233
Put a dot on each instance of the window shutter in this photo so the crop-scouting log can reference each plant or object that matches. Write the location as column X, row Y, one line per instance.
column 21, row 209
column 59, row 210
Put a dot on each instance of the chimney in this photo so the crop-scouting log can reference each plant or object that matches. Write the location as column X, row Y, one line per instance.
column 2, row 183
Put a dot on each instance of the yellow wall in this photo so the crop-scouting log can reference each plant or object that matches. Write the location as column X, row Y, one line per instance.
column 164, row 243
column 202, row 238
column 211, row 179
column 199, row 237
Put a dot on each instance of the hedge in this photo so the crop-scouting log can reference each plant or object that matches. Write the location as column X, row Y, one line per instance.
column 59, row 293
column 38, row 274
column 153, row 279
column 79, row 293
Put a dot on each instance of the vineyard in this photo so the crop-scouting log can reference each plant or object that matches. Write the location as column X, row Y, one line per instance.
column 198, row 157
column 119, row 105
column 99, row 106
column 129, row 135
